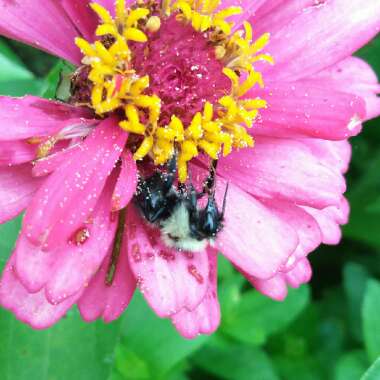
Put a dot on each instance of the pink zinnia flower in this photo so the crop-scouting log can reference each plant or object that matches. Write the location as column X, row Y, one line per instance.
column 171, row 78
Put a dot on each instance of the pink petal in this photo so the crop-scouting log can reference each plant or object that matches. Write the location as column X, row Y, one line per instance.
column 253, row 238
column 274, row 287
column 78, row 263
column 276, row 14
column 126, row 183
column 49, row 164
column 16, row 152
column 277, row 286
column 82, row 16
column 109, row 301
column 71, row 192
column 30, row 308
column 308, row 36
column 355, row 76
column 335, row 154
column 284, row 169
column 45, row 26
column 300, row 274
column 17, row 187
column 32, row 264
column 64, row 271
column 266, row 7
column 205, row 319
column 248, row 7
column 23, row 118
column 330, row 219
column 308, row 231
column 170, row 280
column 301, row 109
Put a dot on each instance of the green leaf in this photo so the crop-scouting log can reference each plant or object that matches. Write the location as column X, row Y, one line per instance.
column 150, row 346
column 15, row 78
column 225, row 269
column 8, row 236
column 57, row 83
column 256, row 317
column 35, row 60
column 351, row 366
column 373, row 373
column 364, row 223
column 71, row 349
column 371, row 319
column 355, row 279
column 235, row 362
column 11, row 66
column 370, row 53
column 21, row 87
column 300, row 368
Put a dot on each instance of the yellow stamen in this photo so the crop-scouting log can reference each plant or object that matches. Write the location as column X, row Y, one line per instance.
column 85, row 47
column 144, row 148
column 134, row 34
column 121, row 11
column 103, row 14
column 136, row 15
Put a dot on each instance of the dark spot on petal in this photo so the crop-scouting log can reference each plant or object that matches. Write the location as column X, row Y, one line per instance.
column 136, row 253
column 194, row 272
column 167, row 255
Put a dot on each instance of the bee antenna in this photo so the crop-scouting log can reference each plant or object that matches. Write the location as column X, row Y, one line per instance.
column 225, row 201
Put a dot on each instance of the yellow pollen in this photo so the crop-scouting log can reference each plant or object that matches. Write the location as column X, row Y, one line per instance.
column 218, row 128
column 45, row 147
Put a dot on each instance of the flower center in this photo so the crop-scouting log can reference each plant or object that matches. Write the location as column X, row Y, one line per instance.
column 177, row 75
column 183, row 70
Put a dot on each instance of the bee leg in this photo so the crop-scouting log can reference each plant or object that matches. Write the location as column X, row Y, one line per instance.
column 193, row 197
column 209, row 183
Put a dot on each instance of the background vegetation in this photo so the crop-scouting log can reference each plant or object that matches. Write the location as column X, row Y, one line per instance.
column 327, row 330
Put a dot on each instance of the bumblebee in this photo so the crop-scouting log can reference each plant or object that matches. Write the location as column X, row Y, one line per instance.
column 184, row 225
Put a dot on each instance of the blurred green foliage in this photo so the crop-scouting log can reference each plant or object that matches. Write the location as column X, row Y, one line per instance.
column 328, row 330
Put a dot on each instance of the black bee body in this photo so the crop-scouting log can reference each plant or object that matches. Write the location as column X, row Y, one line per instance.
column 175, row 211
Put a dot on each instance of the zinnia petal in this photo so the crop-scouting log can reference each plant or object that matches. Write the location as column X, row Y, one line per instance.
column 319, row 34
column 308, row 230
column 334, row 154
column 108, row 301
column 82, row 16
column 16, row 191
column 284, row 169
column 355, row 76
column 64, row 271
column 23, row 118
column 69, row 195
column 330, row 219
column 31, row 308
column 251, row 231
column 169, row 280
column 46, row 27
column 301, row 109
column 205, row 318
column 277, row 286
column 16, row 152
column 126, row 183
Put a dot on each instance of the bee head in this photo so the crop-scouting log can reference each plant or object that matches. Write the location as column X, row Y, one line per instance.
column 207, row 222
